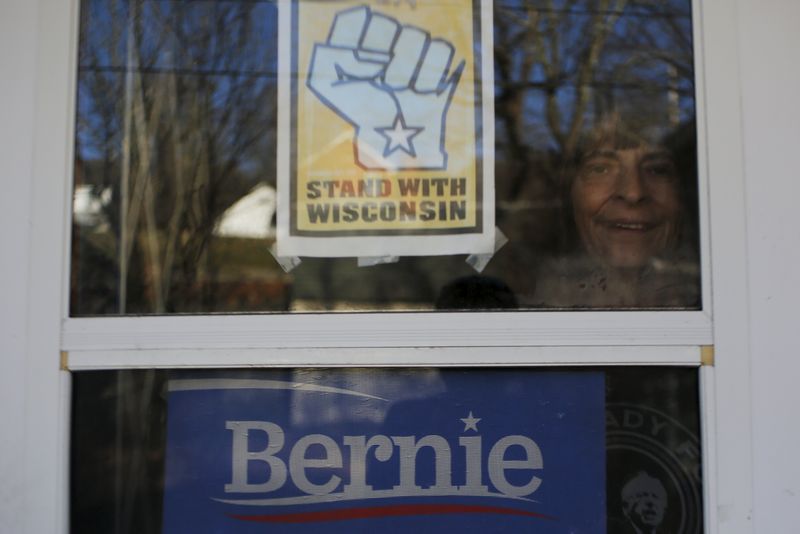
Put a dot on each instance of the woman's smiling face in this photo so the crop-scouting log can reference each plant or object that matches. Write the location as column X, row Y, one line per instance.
column 626, row 204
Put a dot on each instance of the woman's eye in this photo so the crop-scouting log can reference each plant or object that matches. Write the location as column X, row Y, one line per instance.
column 665, row 169
column 597, row 168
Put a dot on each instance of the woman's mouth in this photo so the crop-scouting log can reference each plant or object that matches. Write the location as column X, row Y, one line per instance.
column 632, row 226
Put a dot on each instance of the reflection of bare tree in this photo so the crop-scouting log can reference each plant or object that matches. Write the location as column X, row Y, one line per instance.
column 560, row 64
column 182, row 142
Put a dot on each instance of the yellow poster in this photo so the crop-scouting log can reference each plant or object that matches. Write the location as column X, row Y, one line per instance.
column 386, row 128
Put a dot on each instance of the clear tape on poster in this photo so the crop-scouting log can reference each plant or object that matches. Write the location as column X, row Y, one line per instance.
column 369, row 261
column 287, row 263
column 480, row 261
column 476, row 261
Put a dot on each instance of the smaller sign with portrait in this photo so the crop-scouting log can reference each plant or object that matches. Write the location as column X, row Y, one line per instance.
column 366, row 450
column 386, row 144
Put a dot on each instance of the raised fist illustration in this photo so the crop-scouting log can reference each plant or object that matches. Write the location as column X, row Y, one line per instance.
column 390, row 81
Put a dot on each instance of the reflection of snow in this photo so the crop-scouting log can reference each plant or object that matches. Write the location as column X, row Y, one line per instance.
column 87, row 206
column 250, row 216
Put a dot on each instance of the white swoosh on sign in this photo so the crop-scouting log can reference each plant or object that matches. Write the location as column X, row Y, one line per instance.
column 233, row 383
column 373, row 494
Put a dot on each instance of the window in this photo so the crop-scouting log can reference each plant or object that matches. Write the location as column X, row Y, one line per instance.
column 644, row 333
column 363, row 448
column 591, row 157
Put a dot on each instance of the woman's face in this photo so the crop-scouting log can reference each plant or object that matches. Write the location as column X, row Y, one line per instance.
column 626, row 204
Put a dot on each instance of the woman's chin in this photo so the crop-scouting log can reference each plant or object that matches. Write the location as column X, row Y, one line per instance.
column 626, row 258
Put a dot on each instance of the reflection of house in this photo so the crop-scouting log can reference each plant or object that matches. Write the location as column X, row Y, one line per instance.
column 250, row 216
column 87, row 206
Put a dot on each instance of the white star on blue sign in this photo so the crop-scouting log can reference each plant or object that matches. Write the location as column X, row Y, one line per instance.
column 470, row 422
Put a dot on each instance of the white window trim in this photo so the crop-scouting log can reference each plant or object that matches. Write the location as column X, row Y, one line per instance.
column 137, row 342
column 240, row 339
column 475, row 356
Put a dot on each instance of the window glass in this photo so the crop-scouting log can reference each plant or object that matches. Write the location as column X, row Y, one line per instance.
column 606, row 450
column 175, row 205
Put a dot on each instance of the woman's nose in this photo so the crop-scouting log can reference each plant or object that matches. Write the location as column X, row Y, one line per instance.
column 629, row 185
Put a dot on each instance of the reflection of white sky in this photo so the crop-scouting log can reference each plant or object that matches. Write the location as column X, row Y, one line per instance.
column 395, row 385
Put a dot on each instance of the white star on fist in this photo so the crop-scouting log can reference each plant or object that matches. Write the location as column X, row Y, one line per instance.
column 398, row 136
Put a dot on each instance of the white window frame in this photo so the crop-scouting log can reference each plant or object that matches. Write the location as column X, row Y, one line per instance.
column 437, row 339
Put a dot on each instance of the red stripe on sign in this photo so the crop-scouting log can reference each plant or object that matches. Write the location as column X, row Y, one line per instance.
column 386, row 511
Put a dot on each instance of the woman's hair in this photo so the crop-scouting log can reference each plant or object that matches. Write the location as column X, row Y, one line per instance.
column 615, row 132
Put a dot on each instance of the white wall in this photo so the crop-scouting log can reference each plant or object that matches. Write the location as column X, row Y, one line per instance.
column 18, row 39
column 770, row 70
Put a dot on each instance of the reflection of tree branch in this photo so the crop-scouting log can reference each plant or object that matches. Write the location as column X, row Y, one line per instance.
column 143, row 189
column 188, row 139
column 511, row 104
column 601, row 25
column 552, row 70
column 681, row 37
column 579, row 44
column 173, row 226
column 124, row 237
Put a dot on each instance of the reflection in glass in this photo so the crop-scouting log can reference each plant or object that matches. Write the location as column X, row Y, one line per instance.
column 174, row 196
column 174, row 142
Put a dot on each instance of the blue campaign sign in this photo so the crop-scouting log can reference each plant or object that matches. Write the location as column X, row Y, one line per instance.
column 386, row 450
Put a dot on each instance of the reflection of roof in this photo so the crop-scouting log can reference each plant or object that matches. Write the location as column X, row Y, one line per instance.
column 87, row 205
column 250, row 216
